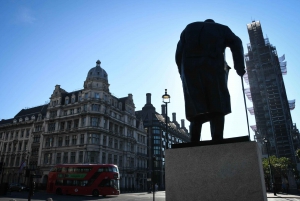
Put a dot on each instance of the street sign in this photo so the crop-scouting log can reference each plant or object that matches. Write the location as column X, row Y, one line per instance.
column 148, row 179
column 36, row 176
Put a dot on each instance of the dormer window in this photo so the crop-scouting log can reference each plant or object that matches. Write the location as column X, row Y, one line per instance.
column 91, row 73
column 67, row 101
column 32, row 117
column 26, row 118
column 98, row 73
column 15, row 121
column 73, row 100
column 20, row 120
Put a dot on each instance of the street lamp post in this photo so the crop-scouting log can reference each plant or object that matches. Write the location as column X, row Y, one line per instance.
column 153, row 185
column 166, row 99
column 267, row 142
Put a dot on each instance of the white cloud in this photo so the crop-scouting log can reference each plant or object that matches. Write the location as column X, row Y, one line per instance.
column 25, row 16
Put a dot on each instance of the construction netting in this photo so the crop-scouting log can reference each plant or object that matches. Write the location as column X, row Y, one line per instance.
column 248, row 94
column 282, row 64
column 245, row 76
column 292, row 104
column 251, row 110
column 253, row 127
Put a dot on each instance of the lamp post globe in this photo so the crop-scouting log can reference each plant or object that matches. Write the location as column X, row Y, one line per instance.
column 166, row 99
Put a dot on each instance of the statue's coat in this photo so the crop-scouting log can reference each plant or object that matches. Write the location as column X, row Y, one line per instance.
column 200, row 61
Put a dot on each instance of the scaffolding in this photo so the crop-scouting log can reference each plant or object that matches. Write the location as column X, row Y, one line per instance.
column 264, row 75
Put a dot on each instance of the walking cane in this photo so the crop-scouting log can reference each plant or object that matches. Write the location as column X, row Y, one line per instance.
column 246, row 107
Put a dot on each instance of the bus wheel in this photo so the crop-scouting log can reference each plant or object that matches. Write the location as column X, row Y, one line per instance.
column 104, row 196
column 58, row 191
column 95, row 193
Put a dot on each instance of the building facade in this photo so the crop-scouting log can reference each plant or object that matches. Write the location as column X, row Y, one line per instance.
column 85, row 126
column 267, row 91
column 19, row 143
column 155, row 125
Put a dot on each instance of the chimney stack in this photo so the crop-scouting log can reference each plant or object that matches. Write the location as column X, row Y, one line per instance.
column 174, row 116
column 182, row 123
column 148, row 99
column 163, row 109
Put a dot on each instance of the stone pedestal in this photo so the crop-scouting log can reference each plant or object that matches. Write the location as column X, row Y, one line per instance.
column 227, row 172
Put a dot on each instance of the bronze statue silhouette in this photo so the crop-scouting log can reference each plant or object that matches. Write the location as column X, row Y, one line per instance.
column 204, row 73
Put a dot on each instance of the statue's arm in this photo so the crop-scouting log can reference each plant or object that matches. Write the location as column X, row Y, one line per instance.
column 179, row 50
column 236, row 46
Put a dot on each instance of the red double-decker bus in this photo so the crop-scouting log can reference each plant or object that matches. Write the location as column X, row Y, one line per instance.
column 84, row 179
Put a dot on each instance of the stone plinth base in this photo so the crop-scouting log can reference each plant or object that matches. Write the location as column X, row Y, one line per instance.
column 225, row 172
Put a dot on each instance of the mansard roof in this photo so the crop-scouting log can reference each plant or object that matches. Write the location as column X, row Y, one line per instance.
column 6, row 121
column 42, row 109
column 69, row 94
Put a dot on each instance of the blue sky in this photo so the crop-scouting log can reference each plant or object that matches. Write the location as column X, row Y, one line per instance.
column 44, row 43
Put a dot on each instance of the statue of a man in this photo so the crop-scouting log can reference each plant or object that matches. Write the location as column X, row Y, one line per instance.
column 204, row 72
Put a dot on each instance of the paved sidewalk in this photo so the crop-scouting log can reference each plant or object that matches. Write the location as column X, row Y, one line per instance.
column 280, row 195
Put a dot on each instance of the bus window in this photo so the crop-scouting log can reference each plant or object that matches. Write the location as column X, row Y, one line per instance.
column 83, row 183
column 115, row 169
column 85, row 169
column 100, row 170
column 53, row 169
column 110, row 169
column 114, row 183
column 76, row 169
column 71, row 182
column 59, row 169
column 104, row 183
column 71, row 169
column 59, row 182
column 64, row 169
column 76, row 182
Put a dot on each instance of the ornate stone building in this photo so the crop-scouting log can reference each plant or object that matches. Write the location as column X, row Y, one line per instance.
column 19, row 142
column 87, row 126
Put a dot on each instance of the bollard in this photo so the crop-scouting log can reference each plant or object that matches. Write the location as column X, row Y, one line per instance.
column 49, row 199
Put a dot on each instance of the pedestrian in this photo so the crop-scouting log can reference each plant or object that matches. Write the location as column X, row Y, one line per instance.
column 156, row 187
column 274, row 188
column 283, row 187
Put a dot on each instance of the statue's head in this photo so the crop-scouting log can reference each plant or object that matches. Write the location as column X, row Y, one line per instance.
column 209, row 20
